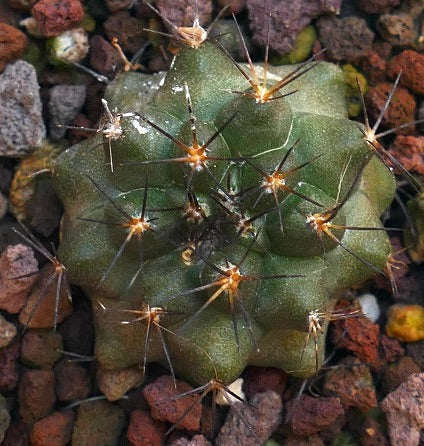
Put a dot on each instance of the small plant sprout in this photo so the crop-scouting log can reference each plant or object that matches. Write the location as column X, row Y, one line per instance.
column 57, row 275
column 196, row 154
column 259, row 83
column 372, row 137
column 229, row 280
column 193, row 36
column 152, row 317
column 315, row 320
column 134, row 225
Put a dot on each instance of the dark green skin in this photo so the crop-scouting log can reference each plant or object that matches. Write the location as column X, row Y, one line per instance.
column 206, row 348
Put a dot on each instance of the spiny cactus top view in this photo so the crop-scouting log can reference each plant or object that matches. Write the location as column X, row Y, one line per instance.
column 215, row 224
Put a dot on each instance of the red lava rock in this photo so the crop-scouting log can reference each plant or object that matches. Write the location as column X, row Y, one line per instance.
column 16, row 261
column 371, row 434
column 144, row 430
column 12, row 44
column 409, row 151
column 412, row 65
column 397, row 29
column 373, row 67
column 288, row 19
column 352, row 383
column 98, row 423
column 16, row 435
column 43, row 315
column 56, row 16
column 39, row 348
column 197, row 440
column 404, row 410
column 159, row 396
column 54, row 430
column 261, row 379
column 397, row 373
column 116, row 383
column 401, row 109
column 36, row 395
column 127, row 29
column 9, row 371
column 358, row 335
column 377, row 6
column 345, row 39
column 308, row 416
column 263, row 416
column 72, row 381
column 104, row 58
column 117, row 5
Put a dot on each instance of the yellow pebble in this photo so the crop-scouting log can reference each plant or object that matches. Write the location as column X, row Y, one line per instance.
column 406, row 323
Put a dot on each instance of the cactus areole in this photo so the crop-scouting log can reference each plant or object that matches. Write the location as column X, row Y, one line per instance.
column 209, row 221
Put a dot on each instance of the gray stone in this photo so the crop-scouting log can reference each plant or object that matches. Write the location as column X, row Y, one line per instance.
column 65, row 101
column 22, row 125
column 3, row 205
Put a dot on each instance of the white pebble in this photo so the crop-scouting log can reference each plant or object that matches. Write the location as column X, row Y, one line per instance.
column 369, row 306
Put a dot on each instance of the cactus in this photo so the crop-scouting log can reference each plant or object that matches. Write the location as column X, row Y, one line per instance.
column 215, row 222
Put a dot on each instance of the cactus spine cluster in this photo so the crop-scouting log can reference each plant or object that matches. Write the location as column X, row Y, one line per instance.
column 215, row 223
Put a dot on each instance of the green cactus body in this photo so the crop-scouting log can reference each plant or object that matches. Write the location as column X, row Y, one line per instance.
column 259, row 317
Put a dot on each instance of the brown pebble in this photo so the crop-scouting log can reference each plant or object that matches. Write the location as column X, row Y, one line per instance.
column 312, row 440
column 36, row 395
column 127, row 29
column 144, row 430
column 39, row 348
column 17, row 435
column 40, row 314
column 9, row 369
column 352, row 382
column 307, row 415
column 16, row 261
column 397, row 373
column 261, row 379
column 12, row 44
column 371, row 434
column 116, row 383
column 345, row 39
column 377, row 6
column 397, row 29
column 411, row 63
column 98, row 423
column 72, row 381
column 56, row 16
column 54, row 430
column 400, row 111
column 104, row 58
column 159, row 396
